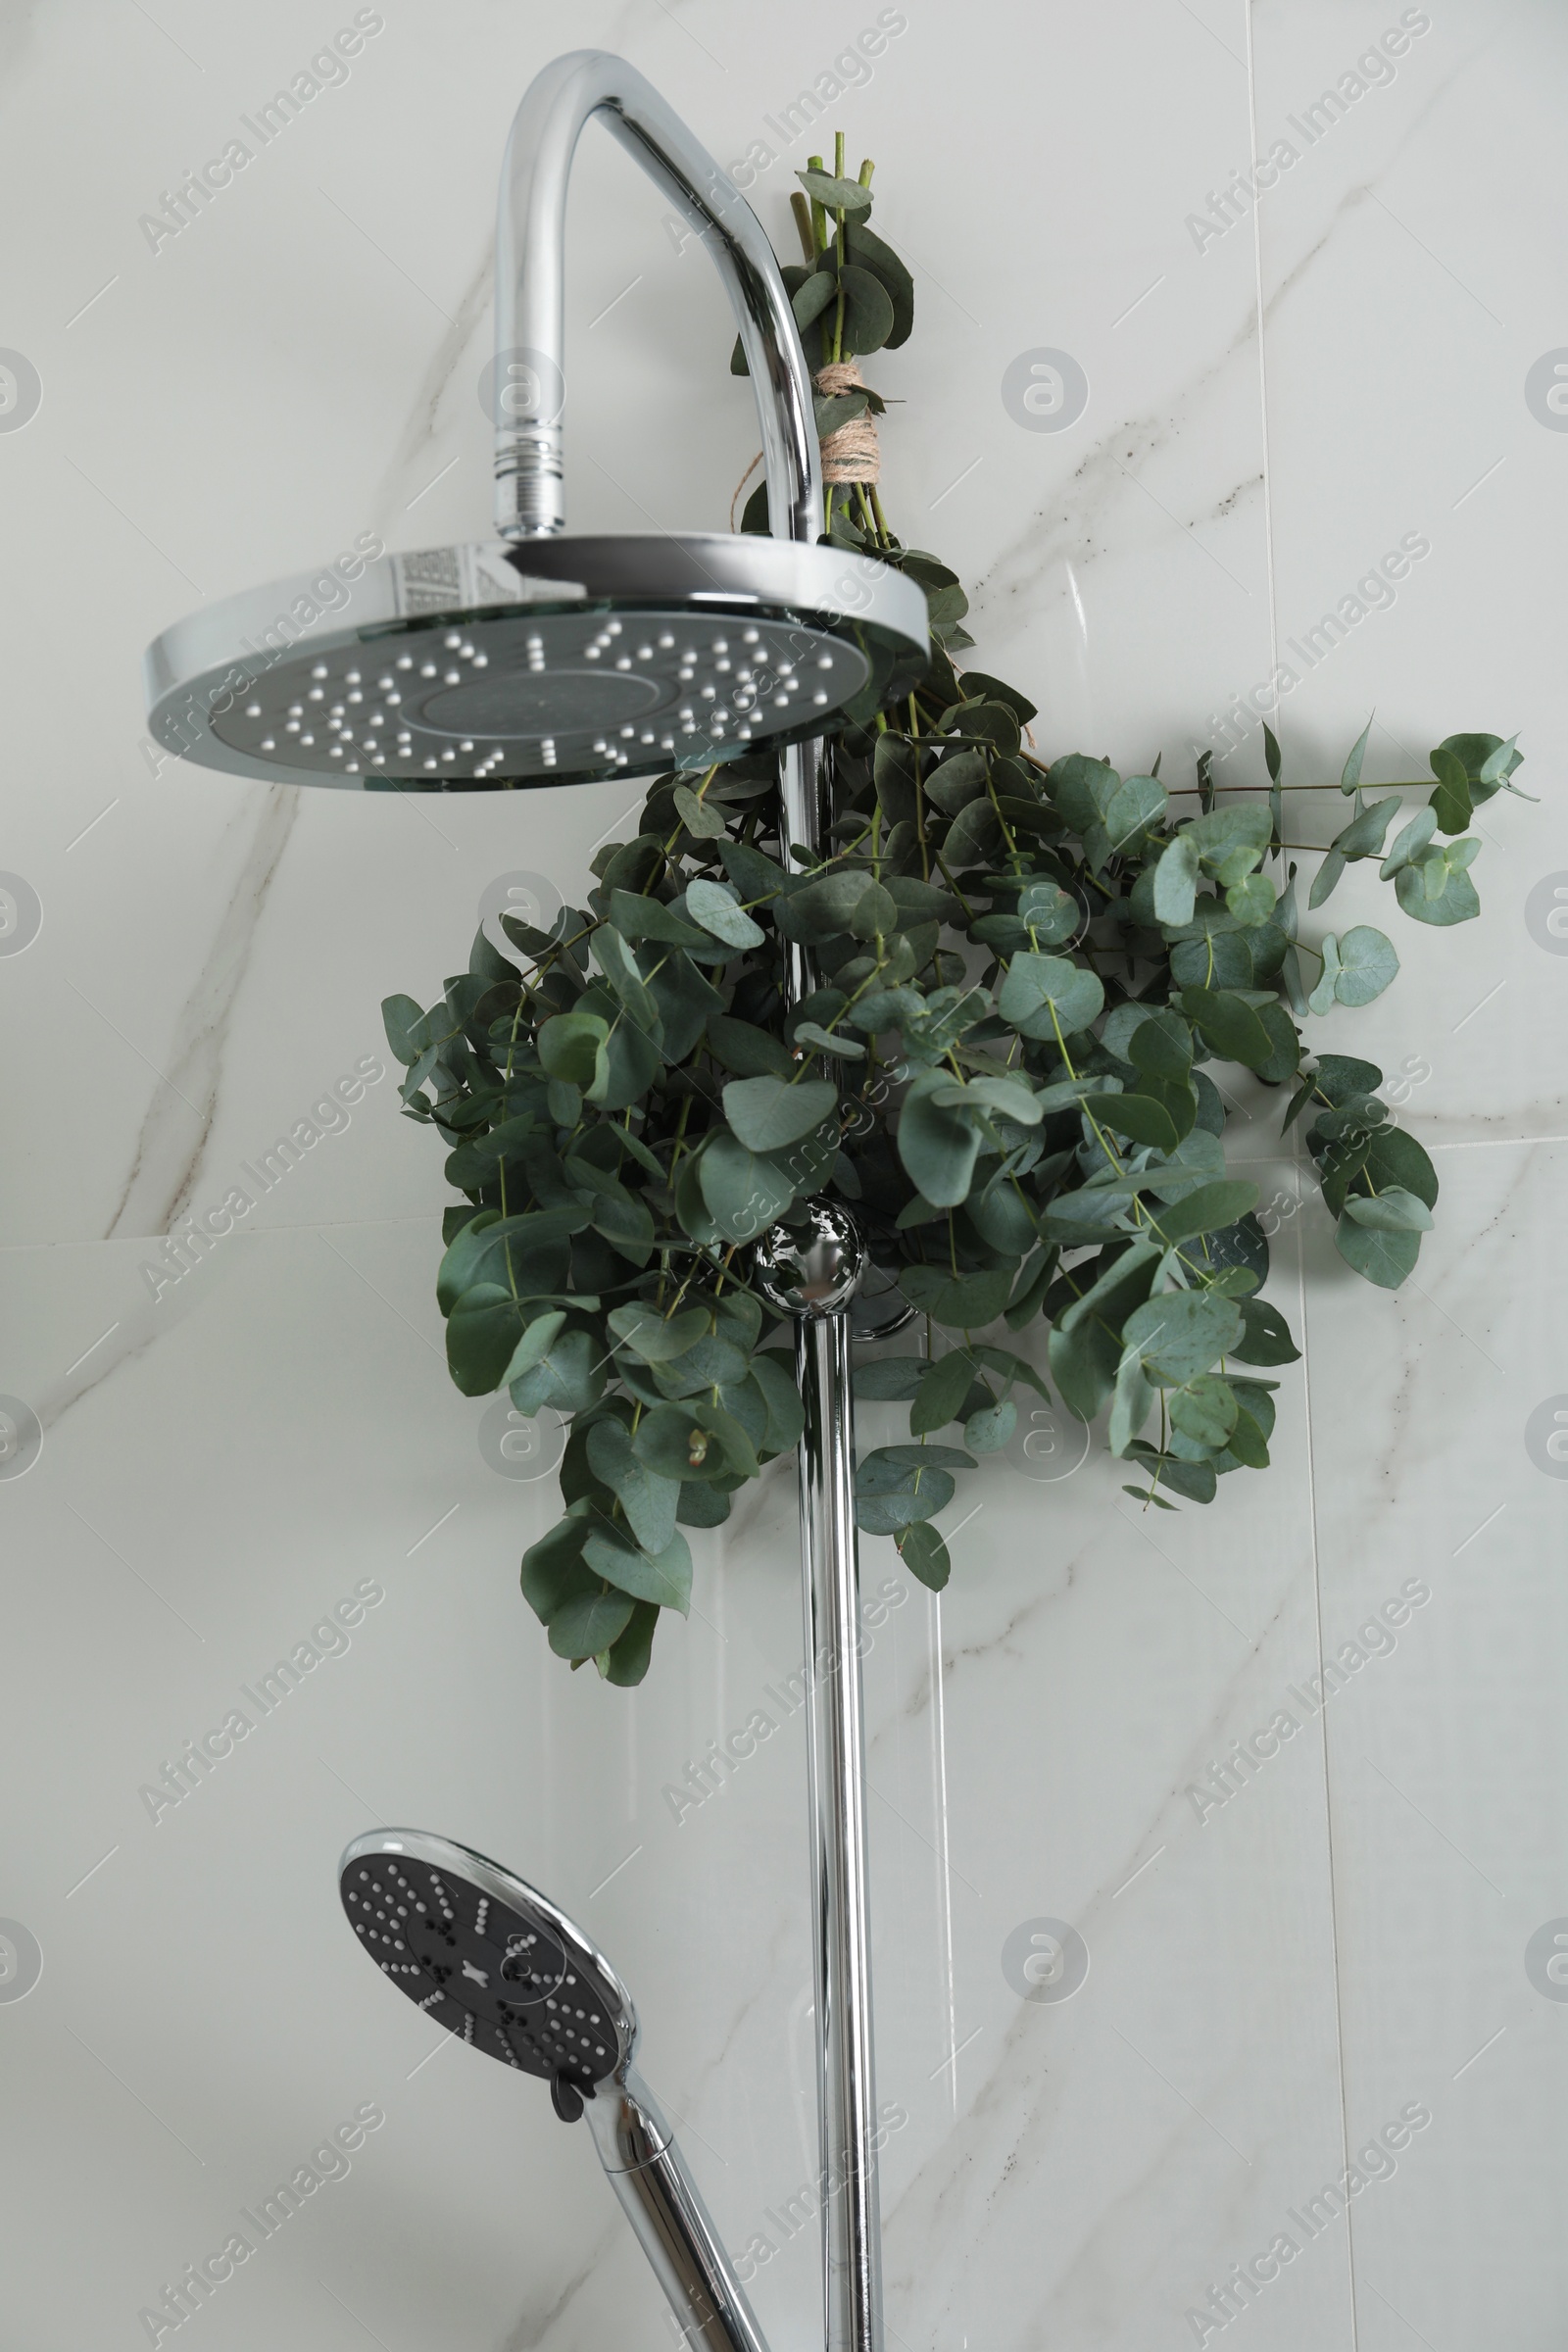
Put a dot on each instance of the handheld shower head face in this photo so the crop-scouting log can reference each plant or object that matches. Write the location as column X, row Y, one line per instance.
column 488, row 1956
column 557, row 662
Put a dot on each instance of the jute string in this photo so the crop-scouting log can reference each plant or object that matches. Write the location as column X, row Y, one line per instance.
column 849, row 454
column 852, row 454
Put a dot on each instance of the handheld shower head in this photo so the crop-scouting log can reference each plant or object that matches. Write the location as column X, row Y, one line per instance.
column 495, row 1962
column 488, row 1957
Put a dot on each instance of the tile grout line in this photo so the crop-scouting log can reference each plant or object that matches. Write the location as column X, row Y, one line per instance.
column 1262, row 371
column 1300, row 1256
column 938, row 1774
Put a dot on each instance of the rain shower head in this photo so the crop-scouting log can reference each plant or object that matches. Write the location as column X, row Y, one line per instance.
column 492, row 1960
column 533, row 659
column 560, row 661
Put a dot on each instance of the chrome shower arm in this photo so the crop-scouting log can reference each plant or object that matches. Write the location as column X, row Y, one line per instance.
column 661, row 2200
column 530, row 285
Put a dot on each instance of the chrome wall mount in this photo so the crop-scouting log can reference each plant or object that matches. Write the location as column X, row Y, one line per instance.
column 536, row 659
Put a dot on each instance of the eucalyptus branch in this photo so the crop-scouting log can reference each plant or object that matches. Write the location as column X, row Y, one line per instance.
column 1029, row 1135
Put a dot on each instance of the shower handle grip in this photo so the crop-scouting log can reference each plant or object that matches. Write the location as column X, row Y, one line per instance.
column 661, row 2200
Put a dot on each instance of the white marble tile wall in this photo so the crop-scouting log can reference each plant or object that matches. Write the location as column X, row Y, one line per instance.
column 1272, row 1981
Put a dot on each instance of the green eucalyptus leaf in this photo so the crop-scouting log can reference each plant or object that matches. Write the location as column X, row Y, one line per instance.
column 1326, row 880
column 1131, row 1402
column 962, row 1302
column 924, row 1554
column 869, row 318
column 1363, row 836
column 1181, row 1333
column 917, row 1459
column 844, row 1049
column 1351, row 775
column 766, row 1114
column 1393, row 1211
column 867, row 250
column 988, row 1430
column 785, row 1419
column 1409, row 844
column 571, row 1375
column 837, row 195
column 1046, row 995
column 572, row 1047
column 1451, row 800
column 1368, row 966
column 675, row 1442
column 1382, row 1255
column 945, row 1385
column 889, row 1378
column 1136, row 807
column 646, row 1499
column 535, row 1341
column 703, row 819
column 1176, row 881
column 636, row 918
column 664, row 1577
column 1454, row 900
column 937, row 1143
column 1230, row 840
column 626, row 1661
column 552, row 1569
column 714, row 906
column 1265, row 1336
column 749, row 1051
column 589, row 1623
column 1204, row 1409
column 1323, row 996
column 745, row 1191
column 483, row 1329
column 1252, row 900
column 1271, row 752
column 822, row 910
column 407, row 1030
column 814, row 294
column 1137, row 1116
column 1209, row 1210
column 1228, row 1025
column 654, row 1337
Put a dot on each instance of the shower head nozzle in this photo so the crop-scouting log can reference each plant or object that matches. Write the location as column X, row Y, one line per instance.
column 488, row 1957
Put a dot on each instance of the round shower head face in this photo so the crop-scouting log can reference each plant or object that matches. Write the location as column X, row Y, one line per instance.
column 488, row 1957
column 553, row 661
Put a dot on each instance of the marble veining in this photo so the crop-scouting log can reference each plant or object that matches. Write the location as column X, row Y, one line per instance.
column 169, row 1157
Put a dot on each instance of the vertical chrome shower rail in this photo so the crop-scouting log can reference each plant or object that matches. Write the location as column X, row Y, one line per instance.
column 835, row 1735
column 852, row 2227
column 531, row 502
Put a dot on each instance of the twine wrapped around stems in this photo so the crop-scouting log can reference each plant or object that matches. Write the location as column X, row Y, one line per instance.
column 849, row 454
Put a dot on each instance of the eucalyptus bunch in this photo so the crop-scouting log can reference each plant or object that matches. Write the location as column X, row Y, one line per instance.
column 1031, row 967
